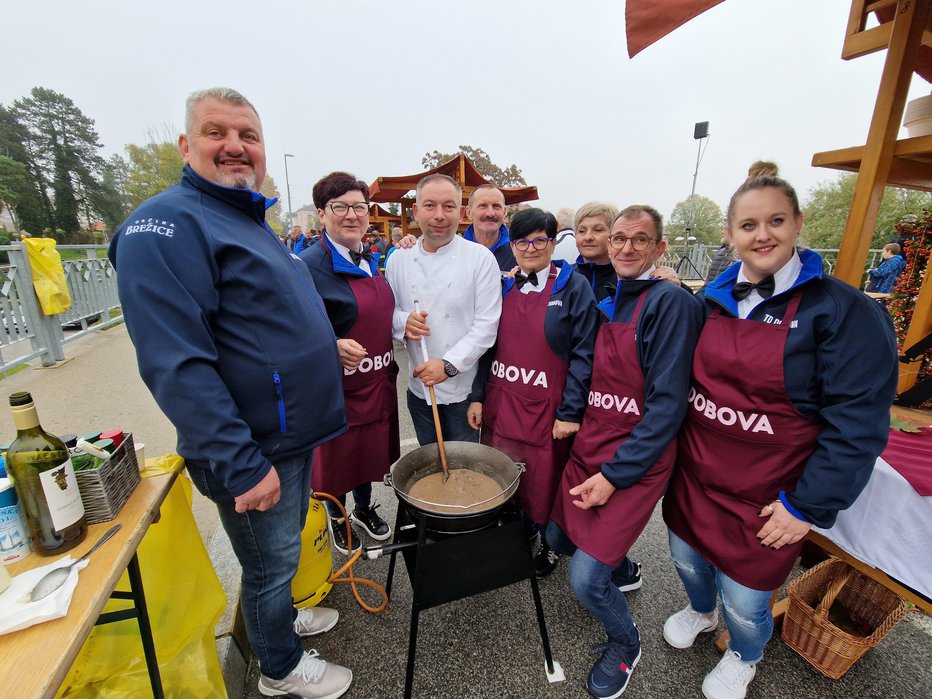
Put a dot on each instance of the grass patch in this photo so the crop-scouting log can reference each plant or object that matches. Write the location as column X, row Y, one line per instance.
column 14, row 370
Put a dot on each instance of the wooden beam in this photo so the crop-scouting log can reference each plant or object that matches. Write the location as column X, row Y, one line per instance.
column 919, row 326
column 907, row 30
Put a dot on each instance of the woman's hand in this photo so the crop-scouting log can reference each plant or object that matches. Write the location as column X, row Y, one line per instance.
column 562, row 430
column 594, row 492
column 782, row 528
column 351, row 353
column 474, row 415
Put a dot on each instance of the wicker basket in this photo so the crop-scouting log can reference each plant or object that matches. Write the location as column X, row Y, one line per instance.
column 808, row 631
column 105, row 489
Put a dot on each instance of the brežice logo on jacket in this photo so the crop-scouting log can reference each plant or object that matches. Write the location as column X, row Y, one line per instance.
column 151, row 225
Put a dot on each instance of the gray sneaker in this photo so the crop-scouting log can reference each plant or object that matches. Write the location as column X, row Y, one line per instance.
column 314, row 620
column 313, row 678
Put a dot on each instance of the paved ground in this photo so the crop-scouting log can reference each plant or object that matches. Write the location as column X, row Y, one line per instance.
column 484, row 646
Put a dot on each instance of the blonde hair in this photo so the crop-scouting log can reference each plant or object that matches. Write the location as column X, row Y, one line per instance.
column 762, row 174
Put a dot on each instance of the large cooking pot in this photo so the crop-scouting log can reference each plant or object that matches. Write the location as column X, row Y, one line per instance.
column 452, row 519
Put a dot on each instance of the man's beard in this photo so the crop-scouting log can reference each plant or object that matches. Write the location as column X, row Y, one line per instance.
column 240, row 180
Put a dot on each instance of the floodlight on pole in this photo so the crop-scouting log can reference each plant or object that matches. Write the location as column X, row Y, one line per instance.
column 700, row 133
column 288, row 190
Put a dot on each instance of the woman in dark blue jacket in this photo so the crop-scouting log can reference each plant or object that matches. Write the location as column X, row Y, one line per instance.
column 359, row 304
column 792, row 381
column 531, row 400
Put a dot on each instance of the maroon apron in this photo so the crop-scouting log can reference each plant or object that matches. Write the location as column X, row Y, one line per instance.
column 616, row 405
column 741, row 444
column 524, row 390
column 365, row 452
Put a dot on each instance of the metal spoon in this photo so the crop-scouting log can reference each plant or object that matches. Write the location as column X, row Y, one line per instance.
column 54, row 579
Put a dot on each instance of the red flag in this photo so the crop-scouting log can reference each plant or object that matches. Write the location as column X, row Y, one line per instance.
column 647, row 21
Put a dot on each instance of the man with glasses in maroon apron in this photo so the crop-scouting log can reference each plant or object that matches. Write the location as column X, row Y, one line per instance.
column 623, row 455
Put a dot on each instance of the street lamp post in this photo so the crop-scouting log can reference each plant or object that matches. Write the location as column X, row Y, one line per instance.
column 288, row 190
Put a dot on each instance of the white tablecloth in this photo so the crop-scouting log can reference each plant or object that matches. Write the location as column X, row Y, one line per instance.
column 889, row 527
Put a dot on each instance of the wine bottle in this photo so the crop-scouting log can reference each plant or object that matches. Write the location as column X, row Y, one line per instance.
column 49, row 499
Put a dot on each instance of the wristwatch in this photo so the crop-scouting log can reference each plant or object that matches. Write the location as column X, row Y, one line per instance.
column 449, row 369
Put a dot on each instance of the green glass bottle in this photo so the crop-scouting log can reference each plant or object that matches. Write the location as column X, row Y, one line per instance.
column 40, row 465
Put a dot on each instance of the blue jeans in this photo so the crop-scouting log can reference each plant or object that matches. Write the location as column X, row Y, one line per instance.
column 268, row 545
column 362, row 499
column 747, row 612
column 591, row 581
column 452, row 421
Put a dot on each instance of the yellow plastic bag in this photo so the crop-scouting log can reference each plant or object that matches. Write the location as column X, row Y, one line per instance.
column 185, row 601
column 48, row 276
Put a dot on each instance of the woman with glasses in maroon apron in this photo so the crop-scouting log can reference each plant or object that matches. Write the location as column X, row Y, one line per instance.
column 792, row 382
column 622, row 456
column 530, row 402
column 359, row 304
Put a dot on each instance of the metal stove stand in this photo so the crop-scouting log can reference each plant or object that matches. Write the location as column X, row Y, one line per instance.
column 448, row 567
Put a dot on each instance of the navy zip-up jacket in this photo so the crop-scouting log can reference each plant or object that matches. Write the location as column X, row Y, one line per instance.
column 230, row 333
column 840, row 368
column 502, row 248
column 602, row 278
column 666, row 333
column 570, row 327
column 331, row 271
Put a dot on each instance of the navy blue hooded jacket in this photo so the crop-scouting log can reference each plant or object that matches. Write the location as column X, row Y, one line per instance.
column 502, row 248
column 839, row 368
column 602, row 278
column 570, row 327
column 231, row 336
column 331, row 271
column 665, row 335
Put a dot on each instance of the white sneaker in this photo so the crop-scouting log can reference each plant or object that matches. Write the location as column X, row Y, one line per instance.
column 681, row 629
column 313, row 678
column 314, row 620
column 729, row 679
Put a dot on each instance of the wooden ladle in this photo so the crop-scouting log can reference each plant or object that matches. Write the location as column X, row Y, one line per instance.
column 433, row 404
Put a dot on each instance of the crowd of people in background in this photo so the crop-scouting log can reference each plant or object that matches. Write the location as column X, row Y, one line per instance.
column 753, row 409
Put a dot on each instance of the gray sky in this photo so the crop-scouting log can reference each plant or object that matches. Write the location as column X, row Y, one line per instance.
column 370, row 86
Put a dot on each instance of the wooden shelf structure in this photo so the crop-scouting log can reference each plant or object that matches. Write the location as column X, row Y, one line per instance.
column 883, row 159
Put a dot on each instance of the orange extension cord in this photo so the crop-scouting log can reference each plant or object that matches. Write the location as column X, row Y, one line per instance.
column 348, row 566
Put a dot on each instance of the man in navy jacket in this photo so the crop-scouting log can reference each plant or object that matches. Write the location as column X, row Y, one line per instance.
column 226, row 321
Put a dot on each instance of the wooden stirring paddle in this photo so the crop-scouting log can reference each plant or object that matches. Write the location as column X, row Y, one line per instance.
column 433, row 404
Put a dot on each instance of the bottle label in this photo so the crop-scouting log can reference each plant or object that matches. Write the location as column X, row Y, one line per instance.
column 62, row 495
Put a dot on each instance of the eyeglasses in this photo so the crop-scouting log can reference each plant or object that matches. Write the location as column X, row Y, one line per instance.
column 638, row 242
column 340, row 209
column 539, row 243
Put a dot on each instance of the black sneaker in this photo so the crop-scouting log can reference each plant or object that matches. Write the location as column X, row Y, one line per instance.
column 630, row 582
column 369, row 520
column 338, row 536
column 545, row 561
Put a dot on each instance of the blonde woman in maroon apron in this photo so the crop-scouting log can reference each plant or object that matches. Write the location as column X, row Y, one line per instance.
column 359, row 304
column 792, row 382
column 530, row 402
column 623, row 455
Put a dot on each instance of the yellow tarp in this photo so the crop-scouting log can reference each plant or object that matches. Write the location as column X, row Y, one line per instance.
column 185, row 601
column 48, row 276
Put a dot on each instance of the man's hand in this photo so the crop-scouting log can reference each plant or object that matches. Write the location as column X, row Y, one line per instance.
column 409, row 241
column 262, row 496
column 416, row 326
column 782, row 528
column 595, row 492
column 474, row 415
column 562, row 430
column 431, row 372
column 351, row 353
column 667, row 274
